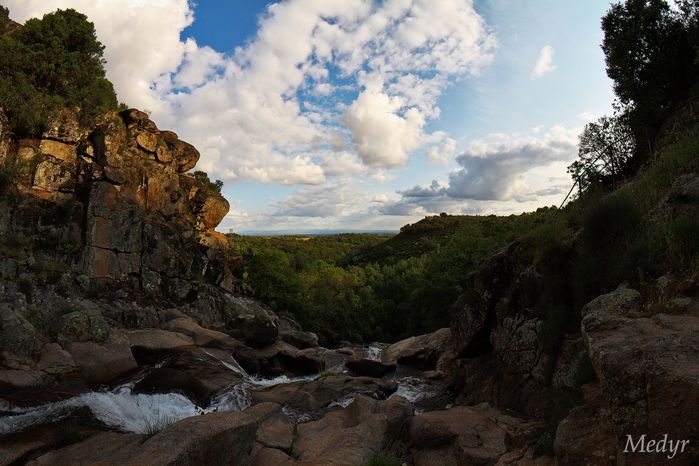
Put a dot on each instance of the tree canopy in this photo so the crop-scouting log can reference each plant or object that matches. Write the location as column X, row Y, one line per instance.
column 52, row 62
column 651, row 53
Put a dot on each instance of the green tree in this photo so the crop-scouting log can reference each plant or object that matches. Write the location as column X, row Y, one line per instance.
column 53, row 62
column 650, row 56
column 204, row 178
column 4, row 19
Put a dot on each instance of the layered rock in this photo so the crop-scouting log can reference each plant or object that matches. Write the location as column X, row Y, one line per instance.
column 648, row 366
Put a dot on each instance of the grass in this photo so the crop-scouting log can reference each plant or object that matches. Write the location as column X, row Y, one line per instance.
column 154, row 425
column 383, row 459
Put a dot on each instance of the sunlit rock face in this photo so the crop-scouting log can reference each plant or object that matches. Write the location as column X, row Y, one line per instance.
column 101, row 224
column 116, row 201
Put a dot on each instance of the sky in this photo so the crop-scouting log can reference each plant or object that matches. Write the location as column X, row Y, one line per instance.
column 361, row 114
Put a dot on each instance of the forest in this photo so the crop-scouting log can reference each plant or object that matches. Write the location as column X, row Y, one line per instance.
column 363, row 287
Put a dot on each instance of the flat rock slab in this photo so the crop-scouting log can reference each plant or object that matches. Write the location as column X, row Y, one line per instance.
column 463, row 435
column 157, row 340
column 218, row 438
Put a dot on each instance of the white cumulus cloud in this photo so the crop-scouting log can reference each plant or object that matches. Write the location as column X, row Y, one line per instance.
column 356, row 80
column 544, row 63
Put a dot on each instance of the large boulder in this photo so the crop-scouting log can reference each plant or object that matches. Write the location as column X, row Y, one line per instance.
column 277, row 359
column 200, row 336
column 165, row 380
column 102, row 362
column 351, row 435
column 291, row 332
column 422, row 351
column 218, row 438
column 648, row 367
column 369, row 367
column 154, row 340
column 466, row 435
column 248, row 320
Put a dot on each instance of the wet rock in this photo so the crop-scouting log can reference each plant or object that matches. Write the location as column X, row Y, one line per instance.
column 422, row 351
column 165, row 380
column 330, row 360
column 277, row 359
column 218, row 438
column 210, row 366
column 102, row 362
column 291, row 332
column 464, row 435
column 369, row 368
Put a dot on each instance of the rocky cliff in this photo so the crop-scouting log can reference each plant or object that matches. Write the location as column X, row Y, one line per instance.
column 102, row 228
column 624, row 364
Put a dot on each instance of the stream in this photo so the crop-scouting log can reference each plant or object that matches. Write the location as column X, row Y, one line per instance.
column 120, row 409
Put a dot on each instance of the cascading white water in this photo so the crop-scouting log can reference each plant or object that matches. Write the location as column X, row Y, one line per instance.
column 124, row 410
column 373, row 353
column 119, row 409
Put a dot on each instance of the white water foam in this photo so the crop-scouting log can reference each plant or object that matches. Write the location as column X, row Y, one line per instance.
column 414, row 390
column 119, row 409
column 373, row 353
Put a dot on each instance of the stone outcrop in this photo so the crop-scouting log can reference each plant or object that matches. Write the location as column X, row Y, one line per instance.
column 101, row 225
column 648, row 367
column 466, row 435
column 117, row 204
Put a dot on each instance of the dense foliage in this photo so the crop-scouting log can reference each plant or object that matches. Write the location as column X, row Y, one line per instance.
column 652, row 55
column 50, row 63
column 374, row 287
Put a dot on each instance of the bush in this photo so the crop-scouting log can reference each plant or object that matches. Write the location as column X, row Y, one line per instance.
column 204, row 178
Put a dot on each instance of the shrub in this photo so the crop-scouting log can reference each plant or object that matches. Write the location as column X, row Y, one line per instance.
column 204, row 178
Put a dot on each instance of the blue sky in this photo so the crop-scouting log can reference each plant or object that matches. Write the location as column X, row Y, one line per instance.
column 360, row 114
